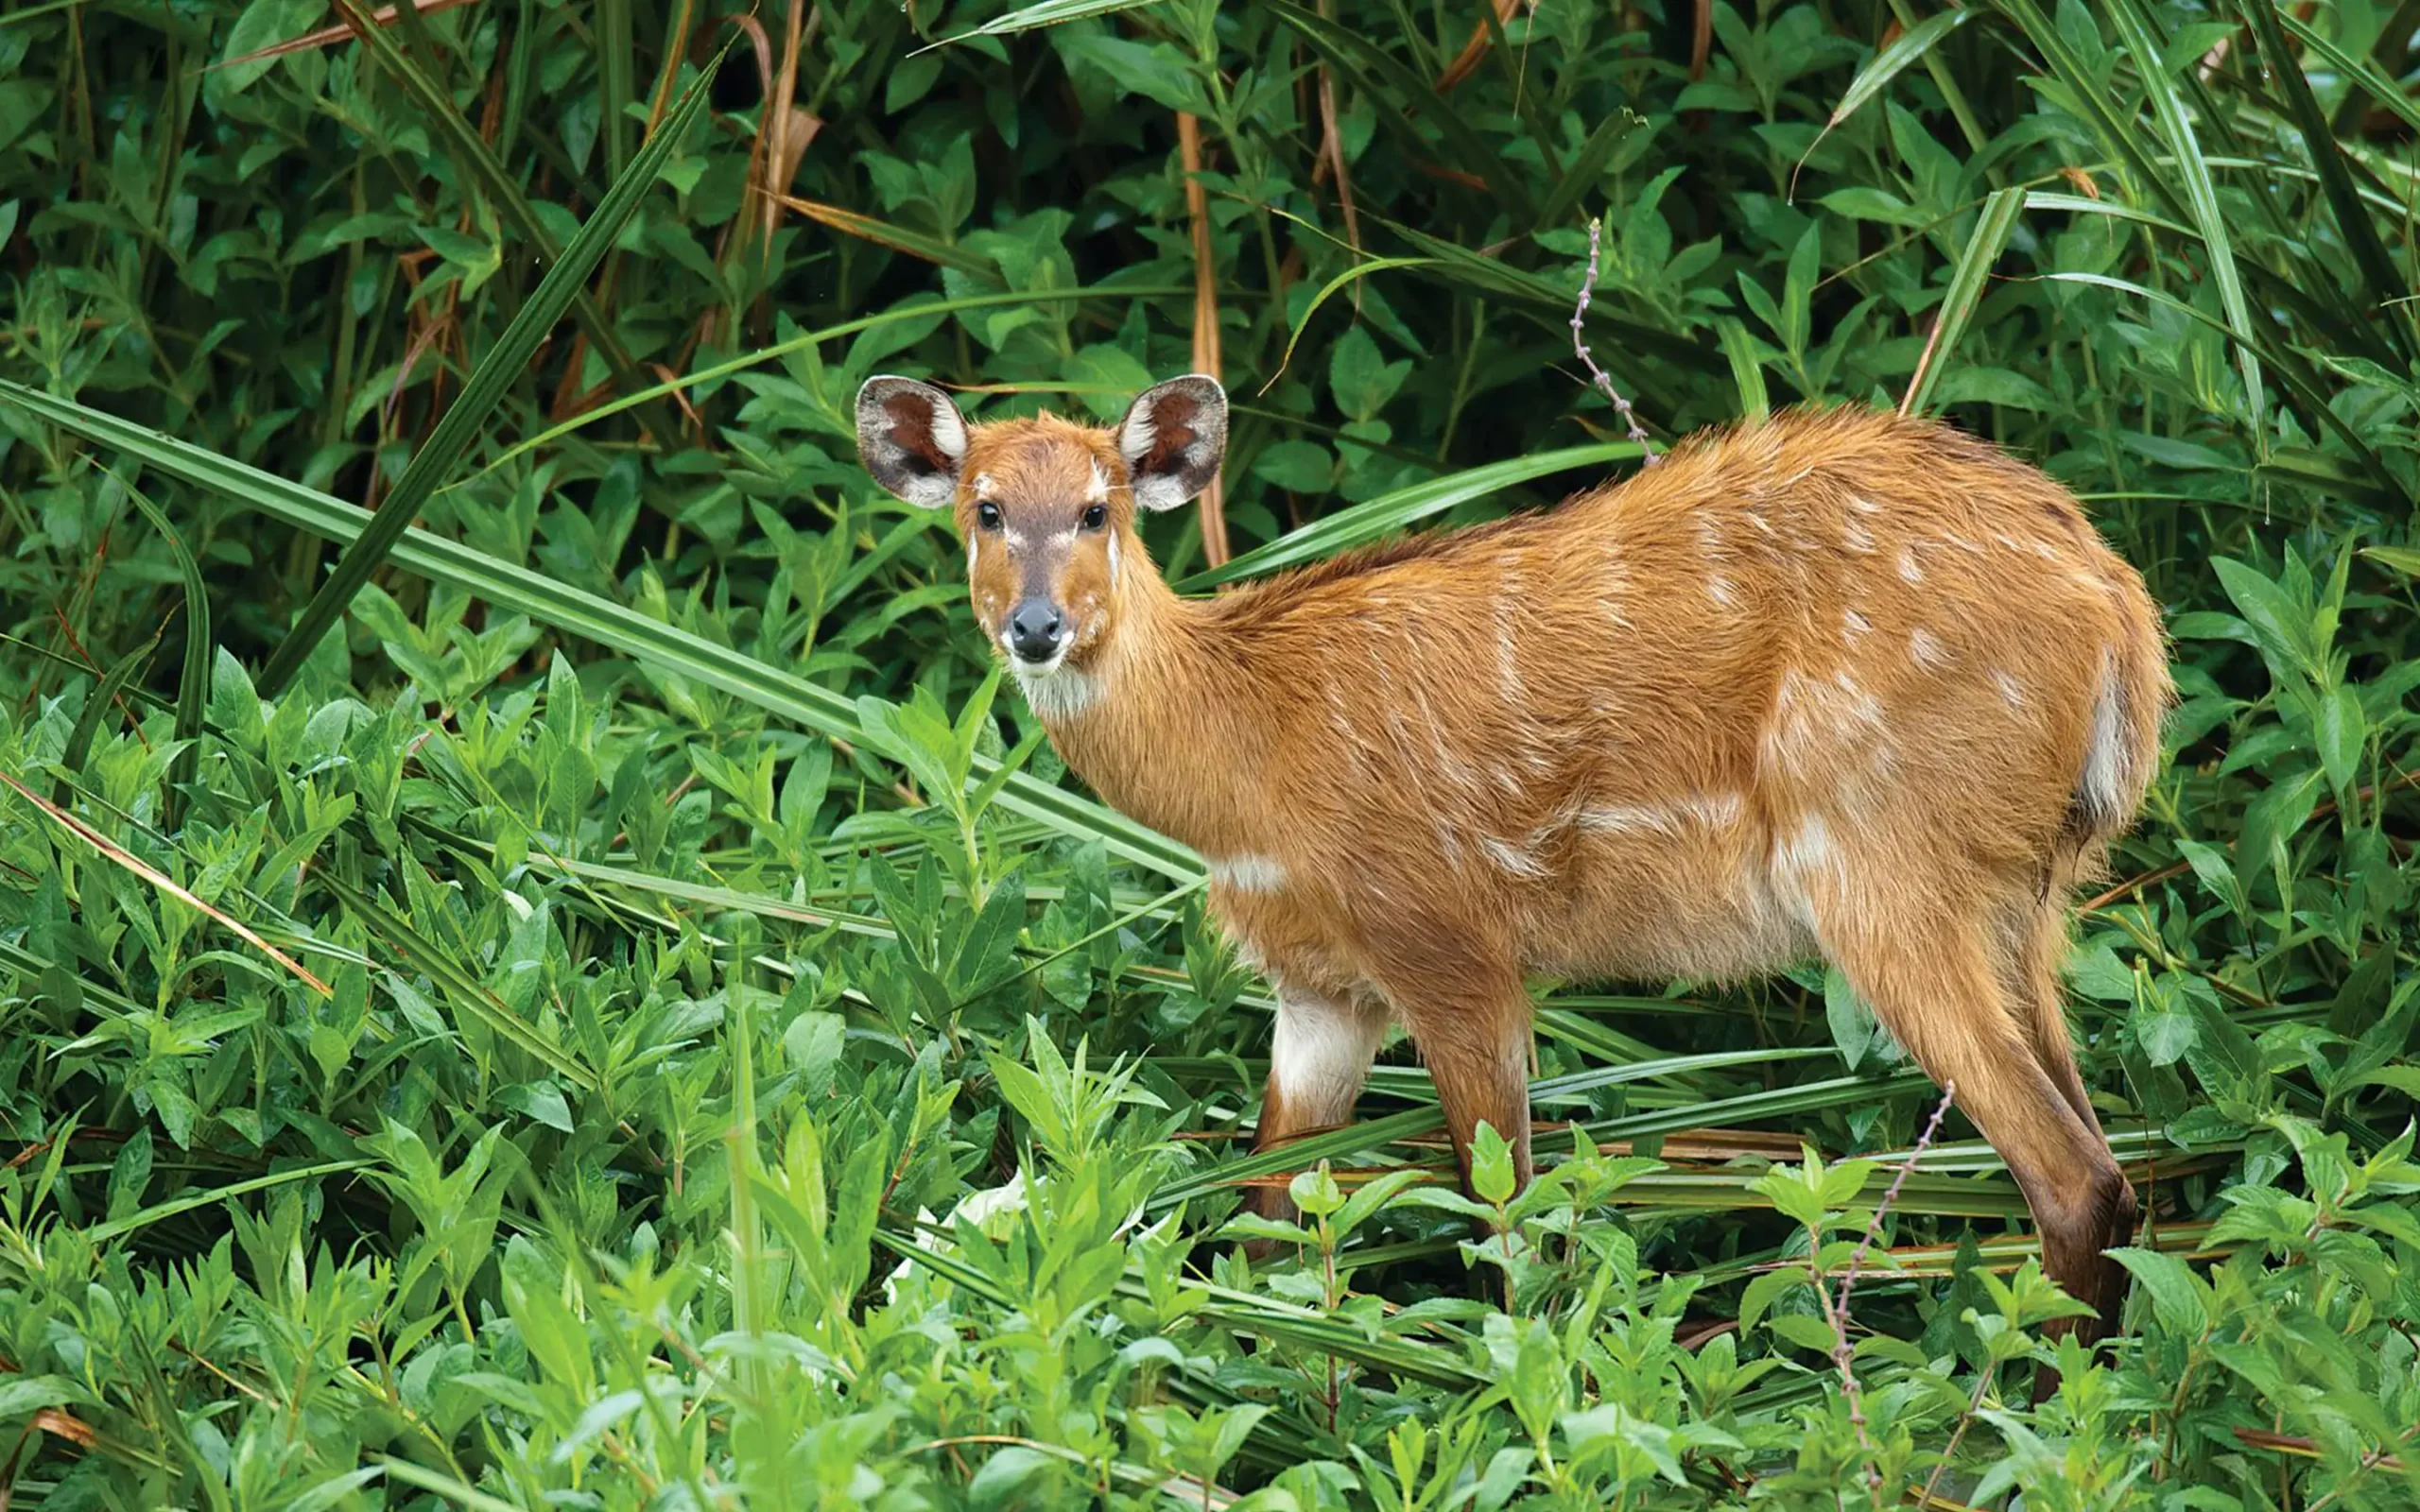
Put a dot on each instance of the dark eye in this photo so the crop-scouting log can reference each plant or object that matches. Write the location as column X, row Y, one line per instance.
column 987, row 514
column 1096, row 517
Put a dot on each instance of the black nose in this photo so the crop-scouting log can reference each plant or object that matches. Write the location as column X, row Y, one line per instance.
column 1033, row 629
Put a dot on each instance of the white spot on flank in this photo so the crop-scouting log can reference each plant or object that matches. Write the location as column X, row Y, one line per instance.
column 1864, row 506
column 1856, row 538
column 1926, row 649
column 1862, row 707
column 1096, row 491
column 1248, row 873
column 2046, row 551
column 1718, row 589
column 1507, row 858
column 1710, row 535
column 1617, row 585
column 1805, row 856
column 2012, row 690
column 1961, row 542
column 1908, row 568
column 1854, row 625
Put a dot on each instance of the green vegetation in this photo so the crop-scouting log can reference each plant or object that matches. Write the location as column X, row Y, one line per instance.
column 632, row 1016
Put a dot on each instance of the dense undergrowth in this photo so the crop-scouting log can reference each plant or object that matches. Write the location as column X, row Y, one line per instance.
column 634, row 1017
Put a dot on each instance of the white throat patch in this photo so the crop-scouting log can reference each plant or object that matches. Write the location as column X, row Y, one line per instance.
column 1057, row 693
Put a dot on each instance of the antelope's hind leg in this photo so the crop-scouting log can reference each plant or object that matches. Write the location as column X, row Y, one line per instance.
column 1932, row 984
column 2039, row 1003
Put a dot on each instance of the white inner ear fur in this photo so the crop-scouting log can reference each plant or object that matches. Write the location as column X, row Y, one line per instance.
column 1152, row 490
column 1135, row 437
column 932, row 489
column 949, row 431
column 1160, row 490
column 928, row 490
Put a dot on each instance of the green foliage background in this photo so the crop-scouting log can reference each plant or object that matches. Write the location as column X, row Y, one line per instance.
column 675, row 923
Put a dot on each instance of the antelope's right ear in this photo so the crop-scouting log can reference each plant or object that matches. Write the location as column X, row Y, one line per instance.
column 1172, row 438
column 911, row 438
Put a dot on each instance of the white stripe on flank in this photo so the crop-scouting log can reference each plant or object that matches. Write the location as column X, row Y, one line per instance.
column 1507, row 858
column 1248, row 873
column 1661, row 818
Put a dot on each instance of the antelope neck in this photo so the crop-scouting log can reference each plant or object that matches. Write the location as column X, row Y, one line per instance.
column 1160, row 735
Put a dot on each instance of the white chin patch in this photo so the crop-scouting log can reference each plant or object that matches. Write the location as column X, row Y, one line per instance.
column 1054, row 690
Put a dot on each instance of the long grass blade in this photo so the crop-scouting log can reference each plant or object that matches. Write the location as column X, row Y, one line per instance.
column 459, row 984
column 898, row 238
column 193, row 678
column 2297, row 372
column 1884, row 66
column 468, row 146
column 1046, row 14
column 119, row 856
column 1966, row 282
column 1394, row 89
column 1375, row 518
column 578, row 612
column 2327, row 157
column 496, row 372
column 1351, row 275
column 143, row 1218
column 2201, row 196
column 105, row 696
column 1703, row 1114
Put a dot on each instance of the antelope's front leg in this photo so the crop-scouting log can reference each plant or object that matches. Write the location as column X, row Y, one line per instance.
column 1317, row 1062
column 1472, row 1027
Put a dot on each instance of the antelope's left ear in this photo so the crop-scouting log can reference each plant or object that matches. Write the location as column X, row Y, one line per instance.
column 911, row 438
column 1173, row 438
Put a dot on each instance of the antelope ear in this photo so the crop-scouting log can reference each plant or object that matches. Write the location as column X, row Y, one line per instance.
column 1173, row 438
column 911, row 438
